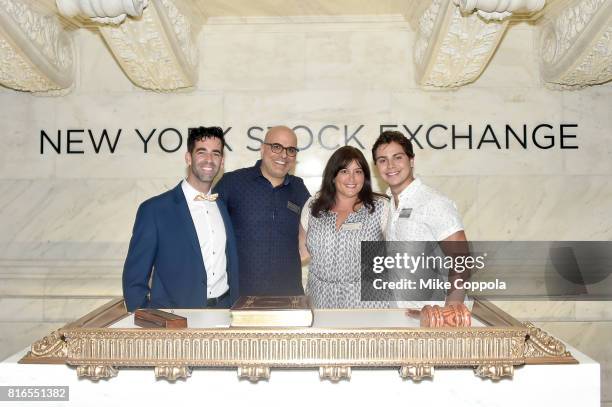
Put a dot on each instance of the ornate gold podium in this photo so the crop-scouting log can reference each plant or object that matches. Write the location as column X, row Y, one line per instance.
column 106, row 340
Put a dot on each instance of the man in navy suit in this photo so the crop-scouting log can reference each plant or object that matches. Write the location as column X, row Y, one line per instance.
column 183, row 251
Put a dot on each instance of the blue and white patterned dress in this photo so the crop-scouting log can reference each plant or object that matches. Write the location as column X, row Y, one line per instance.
column 334, row 274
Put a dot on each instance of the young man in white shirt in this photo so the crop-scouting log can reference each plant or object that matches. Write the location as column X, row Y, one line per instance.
column 417, row 212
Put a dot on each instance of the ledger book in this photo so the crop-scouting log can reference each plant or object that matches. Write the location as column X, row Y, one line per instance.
column 279, row 311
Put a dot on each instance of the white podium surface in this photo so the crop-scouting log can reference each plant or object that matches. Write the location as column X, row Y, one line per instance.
column 554, row 385
column 332, row 318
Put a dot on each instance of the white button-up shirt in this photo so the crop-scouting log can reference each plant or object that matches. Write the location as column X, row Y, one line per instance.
column 422, row 214
column 211, row 238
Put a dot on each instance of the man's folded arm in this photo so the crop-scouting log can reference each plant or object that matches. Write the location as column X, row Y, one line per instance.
column 141, row 256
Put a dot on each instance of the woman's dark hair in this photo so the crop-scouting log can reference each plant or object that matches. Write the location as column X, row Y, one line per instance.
column 200, row 133
column 340, row 159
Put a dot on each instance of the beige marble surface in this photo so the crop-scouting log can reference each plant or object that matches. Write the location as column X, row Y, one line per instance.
column 96, row 60
column 538, row 207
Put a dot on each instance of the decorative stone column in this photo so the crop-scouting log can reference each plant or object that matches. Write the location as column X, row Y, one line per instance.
column 36, row 53
column 576, row 44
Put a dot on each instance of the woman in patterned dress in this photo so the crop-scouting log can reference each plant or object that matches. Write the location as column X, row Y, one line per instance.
column 334, row 222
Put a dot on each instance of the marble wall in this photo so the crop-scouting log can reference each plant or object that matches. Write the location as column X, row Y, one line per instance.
column 66, row 218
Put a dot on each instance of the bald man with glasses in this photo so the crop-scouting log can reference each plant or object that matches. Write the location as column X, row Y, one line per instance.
column 264, row 203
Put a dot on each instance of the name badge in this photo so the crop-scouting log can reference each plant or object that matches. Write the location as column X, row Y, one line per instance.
column 405, row 213
column 351, row 226
column 293, row 207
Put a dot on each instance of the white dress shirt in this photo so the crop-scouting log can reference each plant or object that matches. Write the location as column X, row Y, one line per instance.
column 210, row 229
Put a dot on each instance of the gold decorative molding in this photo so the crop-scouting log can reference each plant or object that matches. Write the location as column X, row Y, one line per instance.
column 576, row 45
column 494, row 371
column 254, row 373
column 50, row 347
column 36, row 52
column 251, row 349
column 96, row 372
column 453, row 49
column 335, row 373
column 157, row 51
column 172, row 373
column 416, row 372
column 540, row 347
column 99, row 351
column 540, row 344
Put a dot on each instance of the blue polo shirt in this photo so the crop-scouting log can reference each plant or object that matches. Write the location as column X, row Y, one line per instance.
column 266, row 221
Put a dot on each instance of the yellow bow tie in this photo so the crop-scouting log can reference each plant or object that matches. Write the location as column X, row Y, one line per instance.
column 202, row 197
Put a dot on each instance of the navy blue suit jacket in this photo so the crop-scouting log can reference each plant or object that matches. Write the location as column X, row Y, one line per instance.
column 164, row 242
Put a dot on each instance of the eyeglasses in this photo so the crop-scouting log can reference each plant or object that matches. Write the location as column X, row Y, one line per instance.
column 278, row 149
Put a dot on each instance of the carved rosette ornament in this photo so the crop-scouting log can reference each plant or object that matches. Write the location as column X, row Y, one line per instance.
column 158, row 50
column 36, row 53
column 452, row 49
column 576, row 45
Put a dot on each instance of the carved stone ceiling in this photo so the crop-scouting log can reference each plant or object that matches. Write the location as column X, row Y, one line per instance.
column 157, row 50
